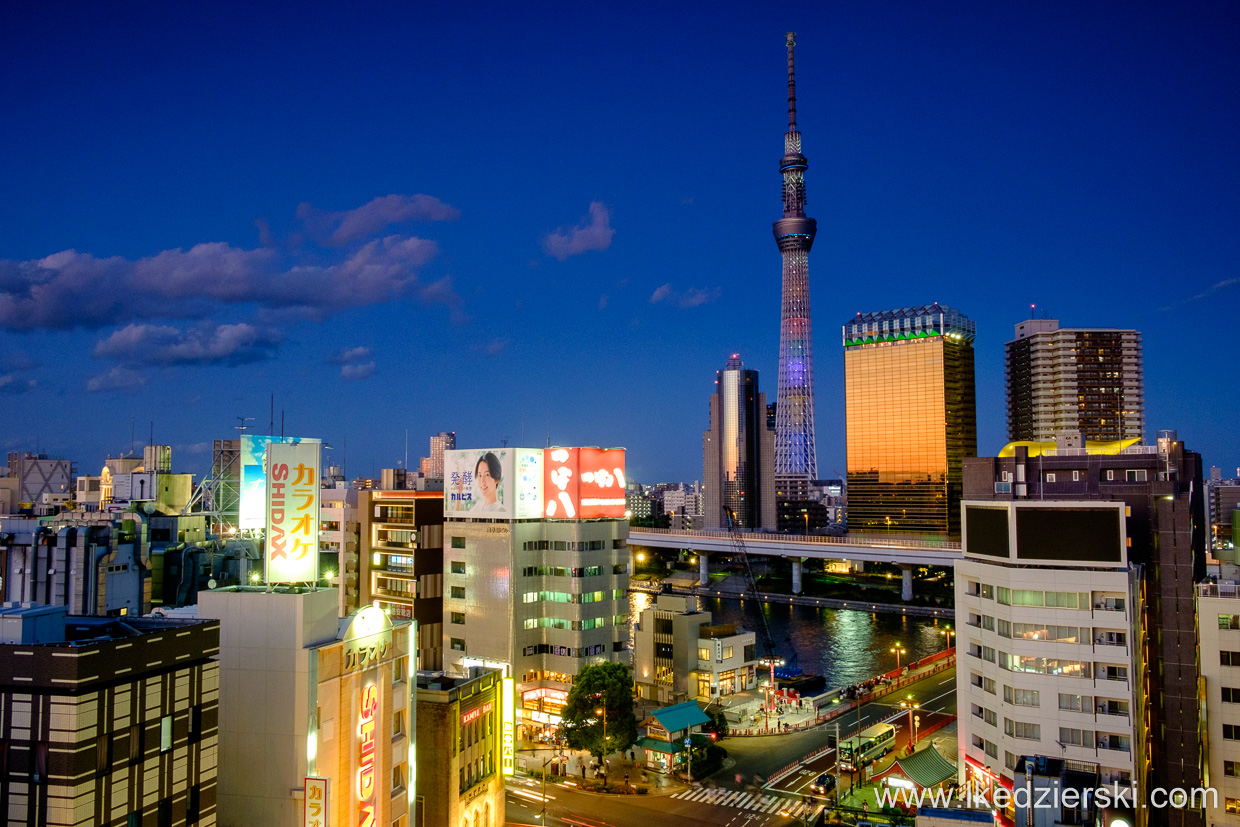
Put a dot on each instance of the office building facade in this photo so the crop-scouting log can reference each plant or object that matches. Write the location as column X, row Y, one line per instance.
column 1218, row 619
column 461, row 765
column 313, row 708
column 536, row 569
column 738, row 456
column 679, row 654
column 911, row 418
column 1077, row 380
column 1160, row 490
column 107, row 722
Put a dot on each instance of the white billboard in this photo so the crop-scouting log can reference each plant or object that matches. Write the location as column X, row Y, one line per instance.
column 479, row 483
column 528, row 483
column 253, row 493
column 292, row 512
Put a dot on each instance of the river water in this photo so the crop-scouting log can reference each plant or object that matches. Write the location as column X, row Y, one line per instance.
column 845, row 646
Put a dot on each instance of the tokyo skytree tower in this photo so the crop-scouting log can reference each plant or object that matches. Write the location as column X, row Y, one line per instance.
column 795, row 450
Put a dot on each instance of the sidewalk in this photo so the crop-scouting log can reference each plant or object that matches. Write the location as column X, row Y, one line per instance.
column 529, row 760
column 823, row 708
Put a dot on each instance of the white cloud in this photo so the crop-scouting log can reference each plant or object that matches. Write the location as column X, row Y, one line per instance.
column 593, row 233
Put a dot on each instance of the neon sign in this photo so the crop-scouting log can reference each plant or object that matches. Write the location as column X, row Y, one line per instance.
column 475, row 713
column 507, row 742
column 366, row 775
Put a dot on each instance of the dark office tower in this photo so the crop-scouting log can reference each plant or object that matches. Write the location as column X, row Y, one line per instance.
column 795, row 451
column 738, row 452
column 911, row 418
column 1078, row 381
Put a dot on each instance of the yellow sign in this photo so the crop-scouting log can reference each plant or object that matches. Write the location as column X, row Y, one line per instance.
column 507, row 735
column 292, row 512
column 368, row 640
column 316, row 802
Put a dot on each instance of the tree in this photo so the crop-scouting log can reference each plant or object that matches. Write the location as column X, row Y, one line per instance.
column 604, row 686
column 718, row 722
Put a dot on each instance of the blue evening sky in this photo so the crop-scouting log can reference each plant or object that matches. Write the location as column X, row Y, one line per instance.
column 533, row 221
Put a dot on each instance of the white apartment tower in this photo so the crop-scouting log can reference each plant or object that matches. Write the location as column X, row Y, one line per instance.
column 1049, row 656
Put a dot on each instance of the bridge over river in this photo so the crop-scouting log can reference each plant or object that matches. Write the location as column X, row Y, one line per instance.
column 905, row 552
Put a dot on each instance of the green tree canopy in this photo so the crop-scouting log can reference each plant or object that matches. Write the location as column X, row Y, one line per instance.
column 604, row 686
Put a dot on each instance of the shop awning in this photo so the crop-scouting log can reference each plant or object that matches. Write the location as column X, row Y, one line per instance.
column 659, row 746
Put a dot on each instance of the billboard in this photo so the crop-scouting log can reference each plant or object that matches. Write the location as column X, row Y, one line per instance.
column 292, row 483
column 479, row 483
column 555, row 483
column 314, row 814
column 583, row 483
column 253, row 491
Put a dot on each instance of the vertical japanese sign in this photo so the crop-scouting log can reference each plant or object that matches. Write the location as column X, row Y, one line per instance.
column 366, row 780
column 507, row 735
column 316, row 803
column 253, row 478
column 292, row 512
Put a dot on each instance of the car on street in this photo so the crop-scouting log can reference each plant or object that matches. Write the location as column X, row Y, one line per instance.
column 824, row 784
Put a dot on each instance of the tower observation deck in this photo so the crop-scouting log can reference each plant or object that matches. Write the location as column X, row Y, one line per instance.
column 795, row 450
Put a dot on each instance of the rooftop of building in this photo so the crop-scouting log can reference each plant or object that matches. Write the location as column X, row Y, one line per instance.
column 443, row 688
column 902, row 324
column 36, row 624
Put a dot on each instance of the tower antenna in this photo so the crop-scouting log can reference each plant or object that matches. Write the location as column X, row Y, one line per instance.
column 796, row 454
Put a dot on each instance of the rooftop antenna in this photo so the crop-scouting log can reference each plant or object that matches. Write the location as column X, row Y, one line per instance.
column 243, row 426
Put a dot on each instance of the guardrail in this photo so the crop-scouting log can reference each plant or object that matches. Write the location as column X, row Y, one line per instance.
column 870, row 541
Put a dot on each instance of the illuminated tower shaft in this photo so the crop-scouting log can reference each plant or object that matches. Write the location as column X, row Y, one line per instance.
column 795, row 450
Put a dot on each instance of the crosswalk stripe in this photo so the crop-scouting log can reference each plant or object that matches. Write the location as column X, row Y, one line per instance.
column 700, row 795
column 743, row 801
column 774, row 805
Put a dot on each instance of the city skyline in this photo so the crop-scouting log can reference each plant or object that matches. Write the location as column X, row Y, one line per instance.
column 434, row 221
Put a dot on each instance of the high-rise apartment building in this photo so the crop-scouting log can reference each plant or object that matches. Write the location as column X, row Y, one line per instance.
column 536, row 568
column 911, row 418
column 795, row 450
column 1075, row 380
column 400, row 563
column 1032, row 528
column 738, row 453
column 443, row 441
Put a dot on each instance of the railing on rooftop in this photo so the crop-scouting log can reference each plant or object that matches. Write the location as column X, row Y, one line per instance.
column 871, row 540
column 1218, row 589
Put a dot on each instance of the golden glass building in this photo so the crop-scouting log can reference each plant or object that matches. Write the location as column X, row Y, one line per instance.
column 911, row 418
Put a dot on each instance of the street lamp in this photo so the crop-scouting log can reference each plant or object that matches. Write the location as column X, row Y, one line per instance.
column 898, row 650
column 910, row 704
column 770, row 661
column 603, row 712
column 948, row 632
column 542, row 814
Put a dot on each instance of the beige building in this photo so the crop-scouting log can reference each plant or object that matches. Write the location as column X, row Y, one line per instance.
column 679, row 655
column 459, row 749
column 1218, row 629
column 307, row 695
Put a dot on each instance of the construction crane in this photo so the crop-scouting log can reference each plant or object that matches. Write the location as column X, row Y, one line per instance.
column 770, row 655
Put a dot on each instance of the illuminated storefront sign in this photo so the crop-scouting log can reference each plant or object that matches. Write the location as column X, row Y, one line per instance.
column 292, row 512
column 316, row 803
column 368, row 640
column 558, row 695
column 583, row 483
column 479, row 483
column 507, row 736
column 252, row 499
column 366, row 762
column 475, row 713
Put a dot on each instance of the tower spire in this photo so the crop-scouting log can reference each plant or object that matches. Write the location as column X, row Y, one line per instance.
column 792, row 85
column 795, row 448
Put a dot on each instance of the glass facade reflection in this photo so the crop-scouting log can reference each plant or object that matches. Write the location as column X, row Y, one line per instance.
column 738, row 452
column 911, row 418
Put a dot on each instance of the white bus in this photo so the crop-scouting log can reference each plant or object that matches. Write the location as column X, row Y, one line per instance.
column 860, row 750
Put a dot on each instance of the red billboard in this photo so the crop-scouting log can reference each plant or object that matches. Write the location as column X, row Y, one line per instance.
column 583, row 483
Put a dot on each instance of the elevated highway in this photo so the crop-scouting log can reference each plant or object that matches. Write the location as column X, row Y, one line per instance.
column 905, row 552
